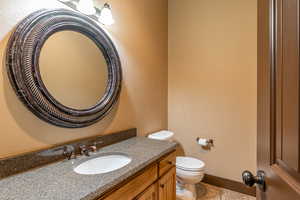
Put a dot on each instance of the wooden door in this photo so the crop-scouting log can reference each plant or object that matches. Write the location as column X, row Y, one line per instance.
column 278, row 99
column 167, row 185
column 150, row 194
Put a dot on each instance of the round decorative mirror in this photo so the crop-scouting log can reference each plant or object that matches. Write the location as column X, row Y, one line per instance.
column 64, row 68
column 77, row 65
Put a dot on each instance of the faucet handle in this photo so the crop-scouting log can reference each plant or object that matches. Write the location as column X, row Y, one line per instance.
column 93, row 148
column 68, row 152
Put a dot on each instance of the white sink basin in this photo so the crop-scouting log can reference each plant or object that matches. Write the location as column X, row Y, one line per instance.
column 103, row 164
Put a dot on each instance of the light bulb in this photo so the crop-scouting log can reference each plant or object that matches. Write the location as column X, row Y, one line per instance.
column 86, row 7
column 106, row 17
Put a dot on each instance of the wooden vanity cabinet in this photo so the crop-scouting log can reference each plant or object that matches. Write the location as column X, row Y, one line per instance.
column 157, row 182
column 135, row 186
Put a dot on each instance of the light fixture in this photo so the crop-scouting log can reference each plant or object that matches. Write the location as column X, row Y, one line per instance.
column 86, row 7
column 106, row 17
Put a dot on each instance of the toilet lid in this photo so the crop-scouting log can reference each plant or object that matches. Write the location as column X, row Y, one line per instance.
column 189, row 163
column 161, row 135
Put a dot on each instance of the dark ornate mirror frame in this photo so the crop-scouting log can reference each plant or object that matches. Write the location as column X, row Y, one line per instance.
column 22, row 61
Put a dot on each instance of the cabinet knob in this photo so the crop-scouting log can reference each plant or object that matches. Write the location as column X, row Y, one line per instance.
column 162, row 185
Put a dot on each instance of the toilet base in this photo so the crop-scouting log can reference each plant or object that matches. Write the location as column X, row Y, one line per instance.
column 186, row 191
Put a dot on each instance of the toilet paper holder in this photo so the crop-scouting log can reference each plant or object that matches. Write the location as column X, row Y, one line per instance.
column 206, row 144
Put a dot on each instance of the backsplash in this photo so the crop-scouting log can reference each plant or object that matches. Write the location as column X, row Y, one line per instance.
column 21, row 163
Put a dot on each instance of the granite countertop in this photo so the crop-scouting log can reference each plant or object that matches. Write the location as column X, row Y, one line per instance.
column 58, row 181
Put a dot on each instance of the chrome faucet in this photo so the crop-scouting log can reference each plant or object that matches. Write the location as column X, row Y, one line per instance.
column 70, row 152
column 85, row 150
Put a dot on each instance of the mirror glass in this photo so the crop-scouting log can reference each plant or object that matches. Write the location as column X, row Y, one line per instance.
column 73, row 69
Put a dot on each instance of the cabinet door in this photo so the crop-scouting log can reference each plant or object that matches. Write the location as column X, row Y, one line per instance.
column 150, row 194
column 167, row 185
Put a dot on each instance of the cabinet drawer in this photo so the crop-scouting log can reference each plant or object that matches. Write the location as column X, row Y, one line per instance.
column 136, row 186
column 167, row 163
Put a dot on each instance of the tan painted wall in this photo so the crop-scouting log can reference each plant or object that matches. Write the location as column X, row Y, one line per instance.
column 140, row 34
column 212, row 81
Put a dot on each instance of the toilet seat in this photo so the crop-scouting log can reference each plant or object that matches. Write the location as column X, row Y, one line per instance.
column 189, row 164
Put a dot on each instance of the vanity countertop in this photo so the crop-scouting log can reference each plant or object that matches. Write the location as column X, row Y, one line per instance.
column 58, row 181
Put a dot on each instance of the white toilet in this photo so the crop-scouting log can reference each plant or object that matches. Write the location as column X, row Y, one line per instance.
column 189, row 170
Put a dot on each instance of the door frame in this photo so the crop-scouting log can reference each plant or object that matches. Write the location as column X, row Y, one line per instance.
column 265, row 83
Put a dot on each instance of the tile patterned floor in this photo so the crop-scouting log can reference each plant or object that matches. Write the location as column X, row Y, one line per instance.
column 209, row 192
